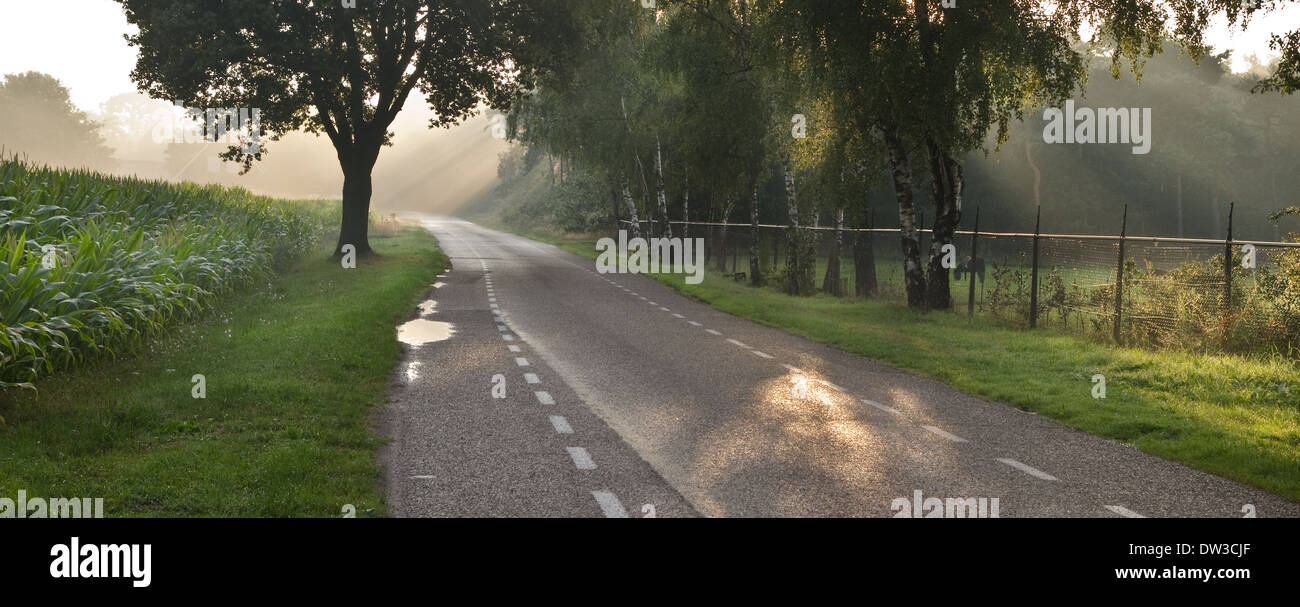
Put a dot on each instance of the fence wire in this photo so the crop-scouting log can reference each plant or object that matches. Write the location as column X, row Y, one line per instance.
column 1174, row 291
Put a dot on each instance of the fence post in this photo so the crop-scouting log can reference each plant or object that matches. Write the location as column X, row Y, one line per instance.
column 1227, row 269
column 1033, row 282
column 1119, row 277
column 970, row 267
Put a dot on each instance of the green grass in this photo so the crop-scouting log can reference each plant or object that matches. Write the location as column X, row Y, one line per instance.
column 1220, row 413
column 293, row 369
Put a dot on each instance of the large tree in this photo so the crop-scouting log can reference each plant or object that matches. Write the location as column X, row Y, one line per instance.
column 345, row 72
column 38, row 120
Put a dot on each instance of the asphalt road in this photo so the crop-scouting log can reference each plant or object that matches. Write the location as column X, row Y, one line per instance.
column 643, row 402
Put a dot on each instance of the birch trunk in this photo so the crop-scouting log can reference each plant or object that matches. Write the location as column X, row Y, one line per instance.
column 913, row 273
column 631, row 208
column 755, row 271
column 667, row 230
column 947, row 184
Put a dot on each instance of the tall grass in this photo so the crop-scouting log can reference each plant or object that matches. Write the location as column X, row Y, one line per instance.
column 89, row 263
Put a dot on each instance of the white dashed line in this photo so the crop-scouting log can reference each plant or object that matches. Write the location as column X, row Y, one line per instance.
column 561, row 425
column 544, row 397
column 762, row 354
column 521, row 361
column 508, row 337
column 501, row 328
column 792, row 368
column 691, row 322
column 653, row 303
column 514, row 348
column 609, row 504
column 1122, row 511
column 737, row 343
column 492, row 299
column 676, row 315
column 880, row 406
column 532, row 378
column 944, row 433
column 713, row 332
column 581, row 458
column 493, row 306
column 664, row 309
column 1031, row 471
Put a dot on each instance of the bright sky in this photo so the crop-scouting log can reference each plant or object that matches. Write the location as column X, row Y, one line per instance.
column 80, row 43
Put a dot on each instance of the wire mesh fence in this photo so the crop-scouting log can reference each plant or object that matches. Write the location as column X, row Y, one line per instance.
column 1137, row 290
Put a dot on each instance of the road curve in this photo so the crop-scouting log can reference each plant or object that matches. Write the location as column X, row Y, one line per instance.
column 668, row 407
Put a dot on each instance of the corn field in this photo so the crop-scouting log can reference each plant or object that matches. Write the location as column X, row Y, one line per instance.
column 90, row 263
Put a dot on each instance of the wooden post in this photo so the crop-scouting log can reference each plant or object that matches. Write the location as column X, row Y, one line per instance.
column 1227, row 268
column 970, row 273
column 1033, row 282
column 1119, row 277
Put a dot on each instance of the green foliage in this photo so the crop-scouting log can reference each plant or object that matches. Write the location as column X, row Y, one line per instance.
column 125, row 258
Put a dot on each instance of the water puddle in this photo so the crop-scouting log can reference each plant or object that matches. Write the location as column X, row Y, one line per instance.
column 420, row 331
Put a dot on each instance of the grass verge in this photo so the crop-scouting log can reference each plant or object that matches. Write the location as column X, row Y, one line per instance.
column 1232, row 415
column 292, row 371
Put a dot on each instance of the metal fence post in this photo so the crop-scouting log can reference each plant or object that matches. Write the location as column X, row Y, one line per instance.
column 1227, row 269
column 970, row 267
column 1033, row 281
column 1119, row 277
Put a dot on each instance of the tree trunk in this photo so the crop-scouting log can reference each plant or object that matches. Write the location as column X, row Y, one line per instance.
column 631, row 209
column 864, row 258
column 794, row 251
column 831, row 282
column 686, row 205
column 913, row 273
column 354, row 228
column 667, row 230
column 755, row 272
column 722, row 242
column 946, row 178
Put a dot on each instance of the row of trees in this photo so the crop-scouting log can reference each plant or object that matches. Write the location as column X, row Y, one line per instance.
column 705, row 101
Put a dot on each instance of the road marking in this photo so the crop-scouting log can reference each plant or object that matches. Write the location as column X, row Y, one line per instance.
column 738, row 343
column 762, row 354
column 544, row 397
column 492, row 299
column 493, row 306
column 1122, row 511
column 501, row 327
column 944, row 433
column 676, row 315
column 521, row 361
column 664, row 309
column 429, row 476
column 792, row 368
column 581, row 458
column 561, row 425
column 691, row 322
column 609, row 504
column 498, row 318
column 1031, row 471
column 880, row 406
column 654, row 303
column 508, row 337
column 713, row 332
column 514, row 348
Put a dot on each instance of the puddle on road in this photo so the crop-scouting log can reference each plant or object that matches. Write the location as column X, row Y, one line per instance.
column 427, row 307
column 420, row 331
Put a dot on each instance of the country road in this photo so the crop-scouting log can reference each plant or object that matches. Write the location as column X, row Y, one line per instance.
column 623, row 398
